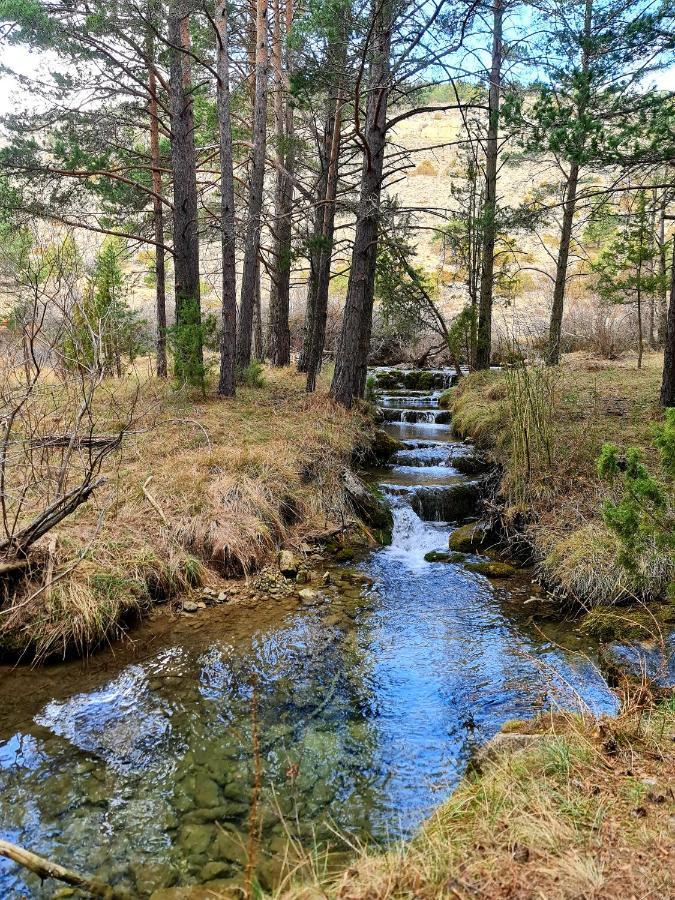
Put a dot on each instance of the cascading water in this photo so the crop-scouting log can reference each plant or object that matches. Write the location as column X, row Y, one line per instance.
column 138, row 768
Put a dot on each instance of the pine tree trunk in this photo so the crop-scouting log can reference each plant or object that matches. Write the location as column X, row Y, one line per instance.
column 652, row 271
column 484, row 334
column 324, row 219
column 317, row 232
column 639, row 323
column 662, row 317
column 228, row 338
column 184, row 162
column 279, row 333
column 310, row 309
column 250, row 274
column 557, row 309
column 668, row 380
column 352, row 350
column 258, row 331
column 158, row 217
column 318, row 337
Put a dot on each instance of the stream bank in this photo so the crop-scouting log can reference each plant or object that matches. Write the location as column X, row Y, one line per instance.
column 202, row 491
column 366, row 704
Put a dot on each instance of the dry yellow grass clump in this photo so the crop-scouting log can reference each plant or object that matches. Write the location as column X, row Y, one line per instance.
column 583, row 808
column 202, row 488
column 548, row 455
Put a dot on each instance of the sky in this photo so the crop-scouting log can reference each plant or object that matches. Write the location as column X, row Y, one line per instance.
column 27, row 62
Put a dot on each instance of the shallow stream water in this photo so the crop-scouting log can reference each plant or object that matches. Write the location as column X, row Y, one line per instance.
column 138, row 766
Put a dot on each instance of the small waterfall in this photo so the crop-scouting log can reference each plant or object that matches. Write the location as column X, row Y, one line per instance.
column 413, row 416
column 440, row 503
column 411, row 537
column 422, row 380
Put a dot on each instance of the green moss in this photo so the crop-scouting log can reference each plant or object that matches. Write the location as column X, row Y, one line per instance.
column 444, row 556
column 468, row 538
column 634, row 623
column 346, row 554
column 492, row 569
column 384, row 446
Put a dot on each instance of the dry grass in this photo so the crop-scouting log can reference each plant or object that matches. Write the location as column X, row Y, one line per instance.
column 584, row 810
column 204, row 489
column 558, row 504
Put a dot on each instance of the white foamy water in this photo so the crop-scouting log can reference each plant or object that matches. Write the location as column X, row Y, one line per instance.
column 411, row 537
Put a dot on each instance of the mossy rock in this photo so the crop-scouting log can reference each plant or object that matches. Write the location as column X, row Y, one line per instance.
column 625, row 623
column 469, row 538
column 384, row 446
column 492, row 569
column 346, row 554
column 370, row 506
column 444, row 556
column 383, row 536
column 470, row 464
column 447, row 503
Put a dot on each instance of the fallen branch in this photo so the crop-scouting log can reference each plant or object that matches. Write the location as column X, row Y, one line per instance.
column 12, row 566
column 45, row 868
column 51, row 516
column 67, row 440
column 151, row 500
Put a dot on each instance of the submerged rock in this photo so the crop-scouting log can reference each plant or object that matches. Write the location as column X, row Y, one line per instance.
column 444, row 556
column 470, row 463
column 469, row 538
column 650, row 660
column 492, row 569
column 308, row 596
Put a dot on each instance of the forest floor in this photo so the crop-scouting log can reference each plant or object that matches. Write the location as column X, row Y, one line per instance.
column 204, row 489
column 562, row 807
column 545, row 430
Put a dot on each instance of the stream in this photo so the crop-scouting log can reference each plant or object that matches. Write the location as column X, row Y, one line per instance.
column 138, row 767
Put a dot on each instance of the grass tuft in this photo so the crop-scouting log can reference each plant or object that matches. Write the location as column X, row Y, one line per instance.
column 546, row 430
column 558, row 819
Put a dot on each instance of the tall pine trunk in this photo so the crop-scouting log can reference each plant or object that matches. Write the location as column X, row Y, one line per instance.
column 484, row 334
column 662, row 316
column 157, row 214
column 189, row 352
column 323, row 262
column 569, row 209
column 228, row 338
column 279, row 347
column 668, row 380
column 353, row 344
column 324, row 147
column 558, row 307
column 324, row 217
column 250, row 274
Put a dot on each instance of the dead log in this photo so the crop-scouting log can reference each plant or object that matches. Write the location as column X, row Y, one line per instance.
column 45, row 868
column 68, row 440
